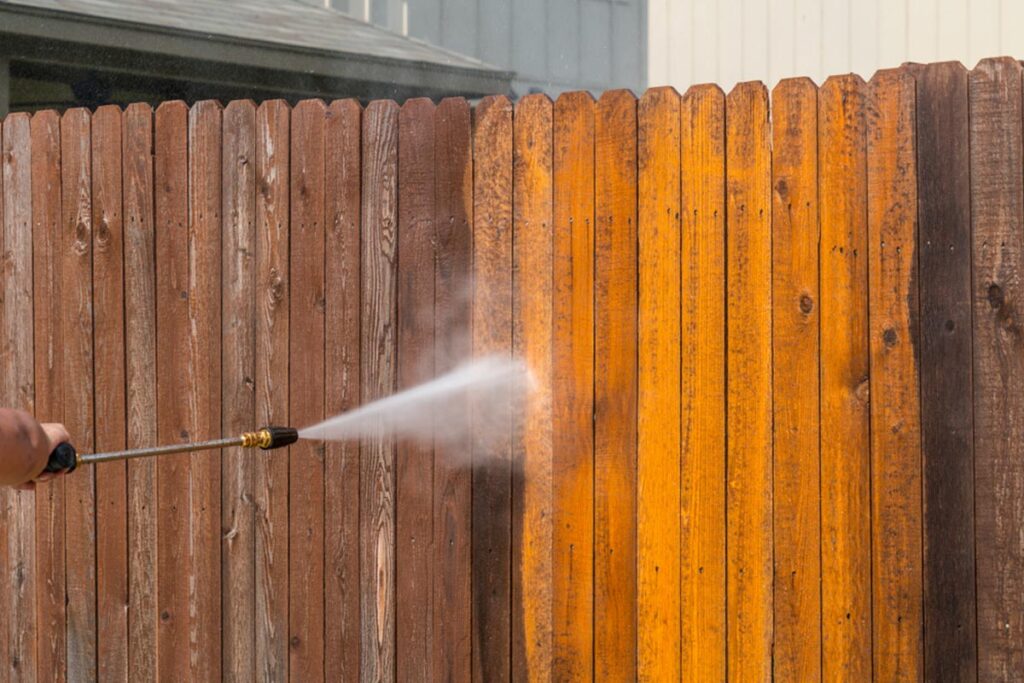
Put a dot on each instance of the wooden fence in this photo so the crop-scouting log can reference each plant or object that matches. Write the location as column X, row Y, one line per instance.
column 778, row 429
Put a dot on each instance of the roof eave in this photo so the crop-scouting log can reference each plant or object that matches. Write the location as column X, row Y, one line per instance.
column 171, row 42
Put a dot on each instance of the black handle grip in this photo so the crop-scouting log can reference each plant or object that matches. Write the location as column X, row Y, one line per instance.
column 63, row 459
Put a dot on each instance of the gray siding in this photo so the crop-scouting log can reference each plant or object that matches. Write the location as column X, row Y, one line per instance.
column 552, row 45
column 529, row 36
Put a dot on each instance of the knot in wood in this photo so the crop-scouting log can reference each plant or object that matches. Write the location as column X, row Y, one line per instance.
column 81, row 238
column 276, row 288
column 995, row 297
column 103, row 232
column 863, row 390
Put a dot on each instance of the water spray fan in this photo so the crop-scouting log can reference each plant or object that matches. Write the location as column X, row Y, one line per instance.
column 411, row 413
column 65, row 458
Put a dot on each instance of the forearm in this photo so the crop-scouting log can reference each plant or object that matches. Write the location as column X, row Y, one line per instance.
column 23, row 447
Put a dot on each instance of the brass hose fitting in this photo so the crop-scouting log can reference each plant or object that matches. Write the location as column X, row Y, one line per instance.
column 260, row 439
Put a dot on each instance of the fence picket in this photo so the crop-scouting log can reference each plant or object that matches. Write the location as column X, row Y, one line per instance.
column 492, row 334
column 659, row 396
column 273, row 335
column 238, row 337
column 703, row 385
column 947, row 418
column 77, row 381
column 845, row 438
column 306, row 394
column 532, row 626
column 140, row 376
column 895, row 413
column 749, row 393
column 48, row 342
column 795, row 316
column 110, row 401
column 203, row 394
column 573, row 386
column 997, row 220
column 414, row 459
column 16, row 279
column 171, row 187
column 615, row 339
column 341, row 389
column 378, row 349
column 453, row 479
column 7, row 520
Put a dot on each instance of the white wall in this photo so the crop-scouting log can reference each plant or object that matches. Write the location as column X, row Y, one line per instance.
column 727, row 41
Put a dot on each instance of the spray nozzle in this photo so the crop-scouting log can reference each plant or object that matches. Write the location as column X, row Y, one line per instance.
column 269, row 438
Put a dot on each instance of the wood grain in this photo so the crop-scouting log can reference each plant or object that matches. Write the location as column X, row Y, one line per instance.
column 48, row 342
column 795, row 298
column 378, row 365
column 895, row 412
column 77, row 381
column 845, row 436
column 997, row 220
column 110, row 400
column 140, row 376
column 414, row 459
column 18, row 360
column 238, row 339
column 492, row 335
column 532, row 627
column 749, row 393
column 702, row 534
column 615, row 391
column 947, row 418
column 203, row 395
column 341, row 388
column 453, row 480
column 573, row 386
column 273, row 297
column 306, row 394
column 659, row 388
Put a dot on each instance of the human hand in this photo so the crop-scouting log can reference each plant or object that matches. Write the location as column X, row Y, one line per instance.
column 56, row 434
column 25, row 447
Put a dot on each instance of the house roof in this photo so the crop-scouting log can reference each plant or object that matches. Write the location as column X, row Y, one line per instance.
column 282, row 26
column 285, row 22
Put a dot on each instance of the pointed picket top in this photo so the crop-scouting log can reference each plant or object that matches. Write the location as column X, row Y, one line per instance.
column 346, row 105
column 748, row 90
column 794, row 85
column 849, row 81
column 990, row 65
column 703, row 90
column 612, row 98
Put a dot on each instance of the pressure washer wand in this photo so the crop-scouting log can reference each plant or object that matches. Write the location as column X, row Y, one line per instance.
column 65, row 458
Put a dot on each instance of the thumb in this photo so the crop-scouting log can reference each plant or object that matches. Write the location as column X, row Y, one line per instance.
column 56, row 434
